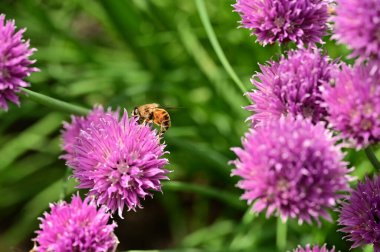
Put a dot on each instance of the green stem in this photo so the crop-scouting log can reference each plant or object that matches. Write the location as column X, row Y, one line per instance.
column 281, row 234
column 65, row 180
column 372, row 157
column 226, row 197
column 54, row 103
column 215, row 44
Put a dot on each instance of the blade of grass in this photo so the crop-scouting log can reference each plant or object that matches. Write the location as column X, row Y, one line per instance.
column 238, row 242
column 220, row 163
column 28, row 139
column 225, row 197
column 215, row 44
column 48, row 25
column 204, row 235
column 27, row 220
column 372, row 158
column 209, row 68
column 125, row 19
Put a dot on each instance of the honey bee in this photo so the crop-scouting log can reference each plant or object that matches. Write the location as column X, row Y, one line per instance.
column 153, row 113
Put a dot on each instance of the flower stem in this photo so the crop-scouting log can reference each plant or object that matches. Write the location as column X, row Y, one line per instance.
column 64, row 183
column 226, row 197
column 281, row 234
column 215, row 44
column 372, row 157
column 54, row 103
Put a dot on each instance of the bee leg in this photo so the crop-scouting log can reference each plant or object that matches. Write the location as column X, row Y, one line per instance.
column 162, row 131
column 145, row 121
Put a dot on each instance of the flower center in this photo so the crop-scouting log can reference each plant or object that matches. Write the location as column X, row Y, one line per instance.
column 123, row 167
column 279, row 21
column 4, row 74
column 366, row 124
column 377, row 35
column 282, row 185
column 308, row 111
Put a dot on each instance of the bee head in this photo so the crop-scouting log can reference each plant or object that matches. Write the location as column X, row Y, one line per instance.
column 135, row 112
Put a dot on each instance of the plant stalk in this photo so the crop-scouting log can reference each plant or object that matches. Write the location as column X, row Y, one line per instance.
column 215, row 44
column 281, row 234
column 372, row 157
column 55, row 104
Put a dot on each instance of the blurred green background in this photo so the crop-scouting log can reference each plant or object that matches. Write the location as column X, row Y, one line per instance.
column 123, row 53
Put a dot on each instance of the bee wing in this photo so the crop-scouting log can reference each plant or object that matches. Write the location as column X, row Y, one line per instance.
column 171, row 107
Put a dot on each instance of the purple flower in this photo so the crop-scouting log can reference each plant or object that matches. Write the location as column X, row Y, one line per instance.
column 76, row 226
column 360, row 216
column 300, row 21
column 308, row 248
column 357, row 24
column 291, row 167
column 71, row 130
column 291, row 87
column 353, row 103
column 119, row 161
column 14, row 62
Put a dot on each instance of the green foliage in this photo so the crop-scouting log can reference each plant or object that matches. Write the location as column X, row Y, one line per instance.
column 123, row 53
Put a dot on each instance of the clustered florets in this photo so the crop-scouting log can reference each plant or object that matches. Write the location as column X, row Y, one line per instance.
column 71, row 131
column 76, row 226
column 291, row 87
column 15, row 64
column 290, row 164
column 119, row 161
column 357, row 25
column 309, row 248
column 292, row 168
column 360, row 215
column 301, row 21
column 353, row 103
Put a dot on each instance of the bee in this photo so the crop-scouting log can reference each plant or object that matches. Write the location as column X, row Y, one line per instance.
column 153, row 113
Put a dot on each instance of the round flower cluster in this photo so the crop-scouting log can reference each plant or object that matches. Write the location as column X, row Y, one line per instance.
column 357, row 24
column 14, row 62
column 300, row 21
column 292, row 167
column 360, row 215
column 291, row 87
column 308, row 248
column 353, row 103
column 119, row 161
column 76, row 226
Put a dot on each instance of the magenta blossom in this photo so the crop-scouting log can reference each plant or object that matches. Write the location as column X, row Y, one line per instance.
column 353, row 102
column 72, row 130
column 360, row 215
column 357, row 24
column 300, row 21
column 291, row 87
column 14, row 62
column 119, row 161
column 291, row 168
column 309, row 248
column 76, row 226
